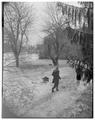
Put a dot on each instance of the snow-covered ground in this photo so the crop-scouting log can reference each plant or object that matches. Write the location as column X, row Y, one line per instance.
column 26, row 95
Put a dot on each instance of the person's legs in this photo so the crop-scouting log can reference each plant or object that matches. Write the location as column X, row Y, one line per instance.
column 88, row 81
column 78, row 80
column 57, row 86
column 53, row 87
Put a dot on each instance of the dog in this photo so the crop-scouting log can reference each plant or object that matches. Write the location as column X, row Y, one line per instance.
column 45, row 79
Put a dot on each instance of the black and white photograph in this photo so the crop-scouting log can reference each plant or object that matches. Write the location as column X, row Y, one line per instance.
column 47, row 59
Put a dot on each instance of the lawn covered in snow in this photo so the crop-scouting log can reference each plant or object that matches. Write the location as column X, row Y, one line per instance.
column 26, row 95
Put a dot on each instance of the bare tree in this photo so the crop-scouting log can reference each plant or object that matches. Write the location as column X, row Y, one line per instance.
column 55, row 26
column 18, row 17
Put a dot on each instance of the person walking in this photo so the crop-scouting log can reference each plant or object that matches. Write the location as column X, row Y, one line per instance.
column 87, row 74
column 79, row 73
column 56, row 78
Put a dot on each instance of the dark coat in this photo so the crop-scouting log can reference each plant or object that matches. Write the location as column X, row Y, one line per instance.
column 56, row 76
column 79, row 71
column 88, row 75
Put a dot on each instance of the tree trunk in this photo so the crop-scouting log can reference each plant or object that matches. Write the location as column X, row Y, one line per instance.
column 55, row 61
column 17, row 61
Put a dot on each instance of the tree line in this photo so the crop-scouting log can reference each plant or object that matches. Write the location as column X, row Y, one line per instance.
column 66, row 24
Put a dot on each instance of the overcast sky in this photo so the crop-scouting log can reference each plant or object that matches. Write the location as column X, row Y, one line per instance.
column 35, row 36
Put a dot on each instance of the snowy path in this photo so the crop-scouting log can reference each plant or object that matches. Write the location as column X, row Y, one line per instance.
column 27, row 96
column 55, row 104
column 52, row 105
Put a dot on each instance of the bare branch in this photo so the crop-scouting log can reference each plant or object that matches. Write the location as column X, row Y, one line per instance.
column 17, row 20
